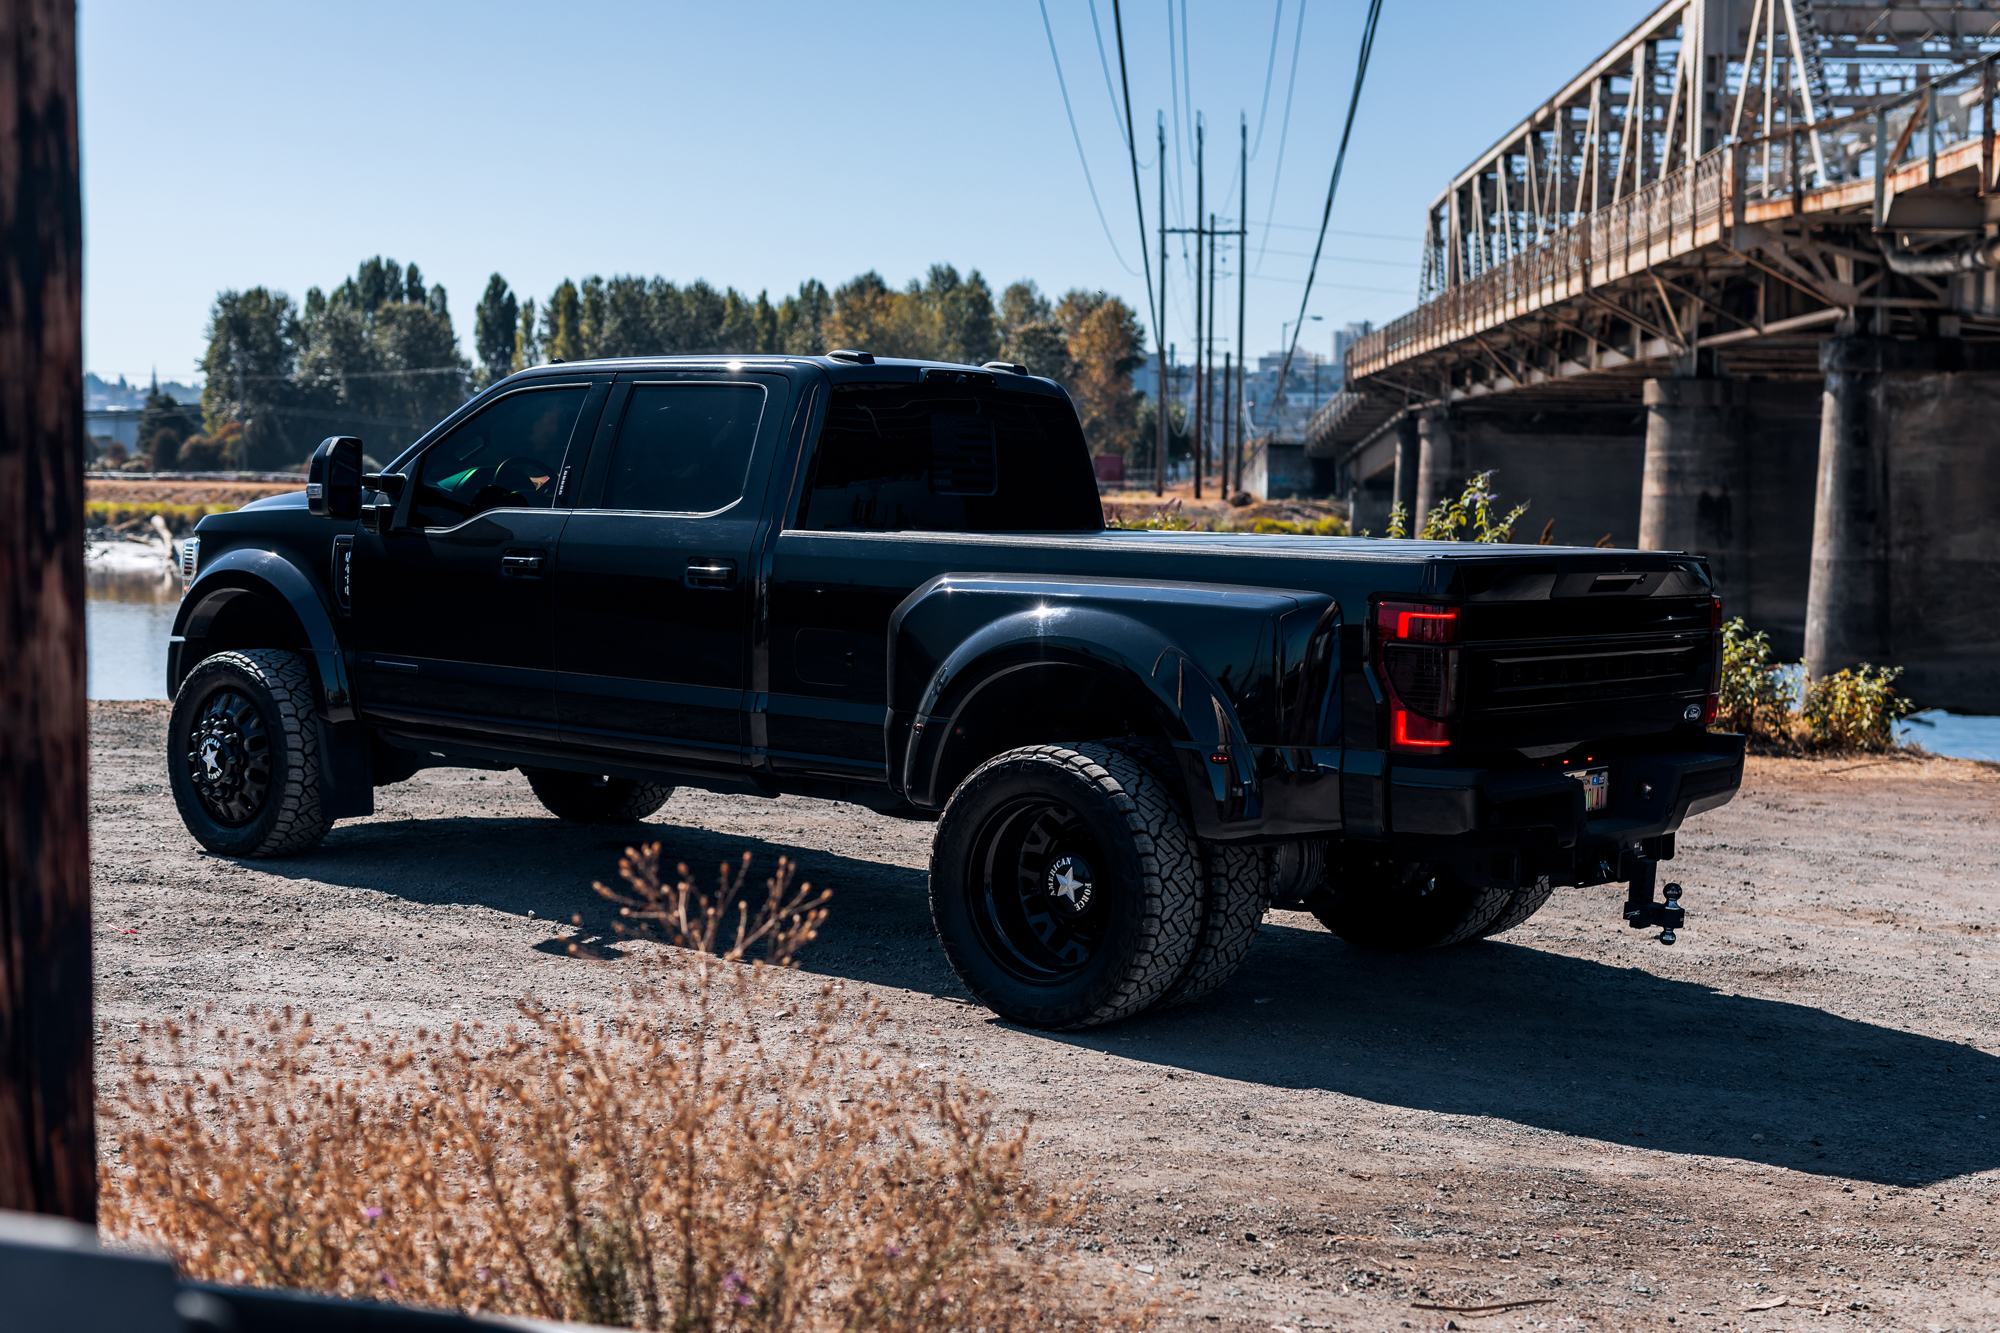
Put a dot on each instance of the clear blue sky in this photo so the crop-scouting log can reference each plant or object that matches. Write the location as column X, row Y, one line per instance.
column 760, row 144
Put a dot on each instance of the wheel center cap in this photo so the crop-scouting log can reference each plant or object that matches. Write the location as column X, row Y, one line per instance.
column 211, row 758
column 1068, row 881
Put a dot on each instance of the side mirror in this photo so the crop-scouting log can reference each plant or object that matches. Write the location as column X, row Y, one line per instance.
column 333, row 483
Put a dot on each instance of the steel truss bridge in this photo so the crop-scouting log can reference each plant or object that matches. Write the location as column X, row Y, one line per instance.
column 1729, row 185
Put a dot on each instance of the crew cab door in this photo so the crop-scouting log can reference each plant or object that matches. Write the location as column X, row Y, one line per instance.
column 452, row 606
column 656, row 581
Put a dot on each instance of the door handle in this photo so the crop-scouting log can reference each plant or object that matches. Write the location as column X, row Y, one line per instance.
column 523, row 565
column 704, row 571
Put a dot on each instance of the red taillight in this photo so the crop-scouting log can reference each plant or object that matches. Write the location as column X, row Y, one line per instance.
column 1715, row 611
column 1409, row 731
column 1420, row 671
column 1409, row 622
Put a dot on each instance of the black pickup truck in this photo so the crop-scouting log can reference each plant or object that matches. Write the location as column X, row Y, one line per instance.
column 890, row 583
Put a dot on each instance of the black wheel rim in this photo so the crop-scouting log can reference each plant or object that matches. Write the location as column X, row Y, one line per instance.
column 1042, row 907
column 229, row 759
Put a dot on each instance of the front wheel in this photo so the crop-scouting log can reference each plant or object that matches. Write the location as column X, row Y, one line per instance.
column 243, row 754
column 1064, row 886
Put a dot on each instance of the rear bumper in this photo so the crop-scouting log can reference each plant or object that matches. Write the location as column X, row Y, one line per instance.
column 1651, row 793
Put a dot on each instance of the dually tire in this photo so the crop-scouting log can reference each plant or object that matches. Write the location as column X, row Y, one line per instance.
column 1065, row 886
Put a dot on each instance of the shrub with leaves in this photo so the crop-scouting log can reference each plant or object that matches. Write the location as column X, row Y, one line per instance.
column 1855, row 709
column 710, row 1156
column 1758, row 694
column 1468, row 516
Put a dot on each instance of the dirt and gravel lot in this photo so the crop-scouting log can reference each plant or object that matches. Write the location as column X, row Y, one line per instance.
column 1795, row 1108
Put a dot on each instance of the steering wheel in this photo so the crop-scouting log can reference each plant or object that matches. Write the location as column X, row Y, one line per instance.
column 519, row 474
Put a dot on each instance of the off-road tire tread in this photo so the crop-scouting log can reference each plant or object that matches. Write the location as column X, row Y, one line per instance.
column 619, row 801
column 1524, row 903
column 284, row 675
column 1169, row 887
column 1236, row 893
column 1485, row 907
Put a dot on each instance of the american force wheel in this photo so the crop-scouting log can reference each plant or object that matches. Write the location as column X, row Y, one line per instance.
column 1064, row 886
column 243, row 754
column 1403, row 907
column 585, row 798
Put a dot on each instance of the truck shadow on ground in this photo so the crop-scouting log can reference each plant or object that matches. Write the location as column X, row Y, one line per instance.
column 1496, row 1029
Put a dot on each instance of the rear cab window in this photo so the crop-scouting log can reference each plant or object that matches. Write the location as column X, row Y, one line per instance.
column 949, row 454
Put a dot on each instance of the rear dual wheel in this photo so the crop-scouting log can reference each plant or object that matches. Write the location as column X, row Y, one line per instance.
column 1402, row 907
column 592, row 798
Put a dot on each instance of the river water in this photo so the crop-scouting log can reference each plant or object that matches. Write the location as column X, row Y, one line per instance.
column 131, row 613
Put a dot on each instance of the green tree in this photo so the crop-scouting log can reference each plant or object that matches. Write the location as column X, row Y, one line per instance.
column 590, row 316
column 562, row 334
column 254, row 339
column 493, row 330
column 739, row 331
column 630, row 326
column 378, row 358
column 802, row 319
column 163, row 426
column 1021, row 305
column 1105, row 346
column 968, row 329
column 766, row 317
column 527, row 341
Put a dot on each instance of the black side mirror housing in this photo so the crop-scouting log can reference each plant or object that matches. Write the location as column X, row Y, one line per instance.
column 333, row 482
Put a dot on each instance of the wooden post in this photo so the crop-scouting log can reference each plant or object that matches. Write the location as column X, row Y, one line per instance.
column 48, row 1150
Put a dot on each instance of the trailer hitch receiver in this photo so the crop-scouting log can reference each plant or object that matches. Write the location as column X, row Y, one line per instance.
column 1642, row 911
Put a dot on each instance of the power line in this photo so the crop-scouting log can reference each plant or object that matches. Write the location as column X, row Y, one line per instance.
column 1334, row 231
column 1174, row 96
column 1103, row 63
column 1270, row 67
column 1132, row 151
column 1085, row 161
column 1332, row 187
column 1284, row 129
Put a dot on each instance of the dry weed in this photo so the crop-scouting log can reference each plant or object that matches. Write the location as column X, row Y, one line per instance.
column 711, row 1156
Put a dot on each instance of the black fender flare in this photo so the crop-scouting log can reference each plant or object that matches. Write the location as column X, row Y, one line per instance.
column 1056, row 620
column 287, row 589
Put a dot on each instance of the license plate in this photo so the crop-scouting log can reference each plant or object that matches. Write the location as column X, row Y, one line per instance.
column 1596, row 787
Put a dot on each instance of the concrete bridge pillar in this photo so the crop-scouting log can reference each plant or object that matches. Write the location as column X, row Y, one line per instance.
column 1906, row 532
column 1441, row 466
column 1728, row 474
column 1695, row 492
column 1409, row 462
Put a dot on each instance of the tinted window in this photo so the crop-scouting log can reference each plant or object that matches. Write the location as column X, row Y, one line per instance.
column 684, row 448
column 950, row 459
column 509, row 455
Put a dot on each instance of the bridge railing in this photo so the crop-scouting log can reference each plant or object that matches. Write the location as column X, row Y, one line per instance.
column 1688, row 208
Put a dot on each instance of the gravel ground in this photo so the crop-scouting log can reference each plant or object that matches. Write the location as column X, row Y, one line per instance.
column 1791, row 1106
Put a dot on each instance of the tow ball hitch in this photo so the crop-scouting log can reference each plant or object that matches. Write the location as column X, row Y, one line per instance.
column 1642, row 911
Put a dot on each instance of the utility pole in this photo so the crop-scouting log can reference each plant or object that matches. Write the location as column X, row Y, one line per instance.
column 48, row 1147
column 1160, row 449
column 1200, row 420
column 1242, row 285
column 1227, row 385
column 1208, row 343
